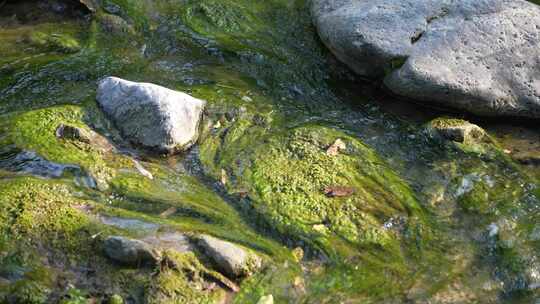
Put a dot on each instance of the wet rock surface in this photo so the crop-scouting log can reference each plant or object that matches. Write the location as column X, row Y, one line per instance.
column 129, row 251
column 73, row 133
column 152, row 116
column 234, row 260
column 284, row 121
column 469, row 55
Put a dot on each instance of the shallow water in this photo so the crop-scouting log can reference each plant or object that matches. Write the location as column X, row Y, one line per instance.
column 422, row 229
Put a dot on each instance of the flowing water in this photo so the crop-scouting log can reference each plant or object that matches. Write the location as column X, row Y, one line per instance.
column 430, row 221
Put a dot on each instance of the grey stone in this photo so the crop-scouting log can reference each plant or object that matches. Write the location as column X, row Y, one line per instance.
column 171, row 240
column 129, row 251
column 482, row 56
column 150, row 115
column 115, row 24
column 232, row 259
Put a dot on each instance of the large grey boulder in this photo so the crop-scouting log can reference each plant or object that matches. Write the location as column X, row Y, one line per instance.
column 235, row 261
column 150, row 115
column 482, row 56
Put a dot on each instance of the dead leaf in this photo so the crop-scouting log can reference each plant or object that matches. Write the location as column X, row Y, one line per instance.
column 224, row 177
column 320, row 228
column 338, row 191
column 299, row 285
column 168, row 212
column 243, row 193
column 336, row 147
column 142, row 170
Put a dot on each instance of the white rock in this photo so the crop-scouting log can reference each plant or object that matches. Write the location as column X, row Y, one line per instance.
column 150, row 115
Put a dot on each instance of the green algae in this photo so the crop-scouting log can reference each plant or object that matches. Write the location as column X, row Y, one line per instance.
column 53, row 42
column 181, row 280
column 34, row 210
column 36, row 131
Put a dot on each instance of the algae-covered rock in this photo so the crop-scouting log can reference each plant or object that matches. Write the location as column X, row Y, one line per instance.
column 129, row 251
column 116, row 299
column 181, row 279
column 85, row 136
column 150, row 115
column 73, row 133
column 234, row 260
column 457, row 130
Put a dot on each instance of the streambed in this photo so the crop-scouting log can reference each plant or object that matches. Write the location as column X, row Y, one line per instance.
column 430, row 221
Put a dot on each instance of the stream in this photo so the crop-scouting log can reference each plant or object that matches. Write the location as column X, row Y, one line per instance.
column 428, row 220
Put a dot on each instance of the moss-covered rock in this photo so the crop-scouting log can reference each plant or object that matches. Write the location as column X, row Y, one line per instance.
column 181, row 279
column 457, row 130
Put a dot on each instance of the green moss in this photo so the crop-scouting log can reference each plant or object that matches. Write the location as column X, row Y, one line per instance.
column 286, row 176
column 198, row 208
column 116, row 299
column 447, row 122
column 276, row 280
column 36, row 131
column 180, row 282
column 75, row 296
column 41, row 212
column 55, row 42
column 27, row 41
column 30, row 292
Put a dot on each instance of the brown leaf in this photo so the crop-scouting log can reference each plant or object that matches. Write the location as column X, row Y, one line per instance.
column 168, row 212
column 336, row 147
column 243, row 193
column 338, row 191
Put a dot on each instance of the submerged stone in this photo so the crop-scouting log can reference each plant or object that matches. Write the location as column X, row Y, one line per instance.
column 467, row 54
column 134, row 225
column 73, row 133
column 457, row 130
column 129, row 251
column 176, row 241
column 115, row 24
column 232, row 259
column 150, row 115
